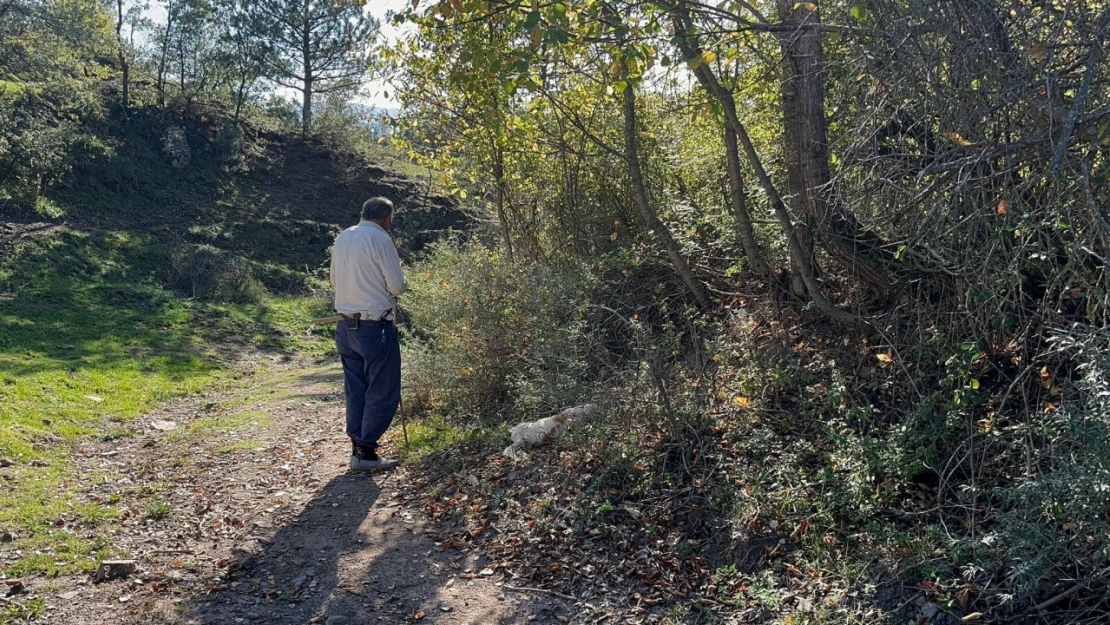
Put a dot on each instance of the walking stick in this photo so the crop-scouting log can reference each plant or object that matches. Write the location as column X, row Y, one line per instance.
column 401, row 401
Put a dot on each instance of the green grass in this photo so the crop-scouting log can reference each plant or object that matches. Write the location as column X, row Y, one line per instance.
column 90, row 340
column 247, row 445
column 434, row 433
column 231, row 422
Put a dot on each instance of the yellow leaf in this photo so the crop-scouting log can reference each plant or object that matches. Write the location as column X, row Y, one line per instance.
column 741, row 402
column 809, row 6
column 888, row 357
column 708, row 56
column 613, row 237
column 956, row 138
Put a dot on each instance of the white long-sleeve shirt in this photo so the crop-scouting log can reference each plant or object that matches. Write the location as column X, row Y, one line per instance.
column 366, row 271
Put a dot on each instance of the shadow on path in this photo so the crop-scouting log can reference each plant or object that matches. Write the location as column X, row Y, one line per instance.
column 355, row 556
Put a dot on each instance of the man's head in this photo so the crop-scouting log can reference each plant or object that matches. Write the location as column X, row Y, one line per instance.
column 378, row 210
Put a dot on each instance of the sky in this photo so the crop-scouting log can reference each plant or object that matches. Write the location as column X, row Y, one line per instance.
column 375, row 91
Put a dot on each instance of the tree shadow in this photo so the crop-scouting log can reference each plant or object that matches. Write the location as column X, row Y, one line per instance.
column 351, row 556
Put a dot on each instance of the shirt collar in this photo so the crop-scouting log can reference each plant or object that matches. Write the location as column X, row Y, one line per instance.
column 367, row 222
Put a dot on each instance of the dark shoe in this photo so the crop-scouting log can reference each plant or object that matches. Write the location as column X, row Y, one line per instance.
column 368, row 464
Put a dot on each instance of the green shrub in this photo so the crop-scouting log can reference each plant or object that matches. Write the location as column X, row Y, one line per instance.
column 1054, row 523
column 206, row 272
column 488, row 335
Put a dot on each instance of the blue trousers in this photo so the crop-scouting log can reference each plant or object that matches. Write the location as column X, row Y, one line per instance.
column 371, row 358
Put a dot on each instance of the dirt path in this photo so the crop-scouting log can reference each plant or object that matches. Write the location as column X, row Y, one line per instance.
column 238, row 508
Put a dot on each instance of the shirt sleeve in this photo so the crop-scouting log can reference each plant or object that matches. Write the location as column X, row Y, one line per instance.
column 395, row 281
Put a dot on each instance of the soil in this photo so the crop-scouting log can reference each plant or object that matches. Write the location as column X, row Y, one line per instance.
column 238, row 507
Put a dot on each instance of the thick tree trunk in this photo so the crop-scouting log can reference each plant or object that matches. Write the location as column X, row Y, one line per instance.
column 805, row 132
column 740, row 207
column 306, row 106
column 639, row 192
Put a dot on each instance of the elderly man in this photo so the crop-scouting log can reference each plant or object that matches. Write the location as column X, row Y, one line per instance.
column 367, row 276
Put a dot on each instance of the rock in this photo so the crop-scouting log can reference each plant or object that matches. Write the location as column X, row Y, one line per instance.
column 176, row 146
column 114, row 569
column 929, row 610
column 336, row 620
column 7, row 537
column 163, row 426
column 69, row 596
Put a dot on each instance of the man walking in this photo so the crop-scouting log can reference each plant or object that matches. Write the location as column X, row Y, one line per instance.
column 367, row 277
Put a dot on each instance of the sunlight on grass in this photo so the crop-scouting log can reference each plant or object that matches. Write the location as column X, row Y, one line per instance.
column 231, row 422
column 90, row 341
column 247, row 445
column 428, row 435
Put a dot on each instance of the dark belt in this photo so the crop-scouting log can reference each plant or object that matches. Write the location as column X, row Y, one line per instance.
column 353, row 321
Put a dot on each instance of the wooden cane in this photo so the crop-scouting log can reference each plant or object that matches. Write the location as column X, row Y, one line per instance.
column 401, row 400
column 323, row 320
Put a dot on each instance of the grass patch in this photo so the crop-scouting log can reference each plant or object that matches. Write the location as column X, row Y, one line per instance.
column 89, row 340
column 247, row 445
column 231, row 422
column 29, row 610
column 435, row 433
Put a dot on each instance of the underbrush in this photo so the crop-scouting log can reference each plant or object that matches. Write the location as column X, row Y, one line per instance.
column 760, row 465
column 488, row 339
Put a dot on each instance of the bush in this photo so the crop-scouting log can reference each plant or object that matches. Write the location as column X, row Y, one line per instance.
column 489, row 335
column 206, row 272
column 40, row 138
column 1054, row 524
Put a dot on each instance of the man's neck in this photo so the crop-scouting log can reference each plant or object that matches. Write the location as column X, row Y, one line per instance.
column 381, row 224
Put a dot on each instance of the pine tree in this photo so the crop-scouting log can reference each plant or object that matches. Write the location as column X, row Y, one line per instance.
column 315, row 46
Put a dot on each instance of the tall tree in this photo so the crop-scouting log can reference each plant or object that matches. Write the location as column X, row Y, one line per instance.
column 316, row 46
column 241, row 54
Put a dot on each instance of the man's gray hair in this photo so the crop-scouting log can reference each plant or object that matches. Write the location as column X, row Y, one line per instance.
column 377, row 208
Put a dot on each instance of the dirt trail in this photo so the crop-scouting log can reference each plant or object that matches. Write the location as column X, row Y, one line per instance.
column 239, row 508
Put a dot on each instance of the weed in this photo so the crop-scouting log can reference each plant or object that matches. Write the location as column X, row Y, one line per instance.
column 157, row 510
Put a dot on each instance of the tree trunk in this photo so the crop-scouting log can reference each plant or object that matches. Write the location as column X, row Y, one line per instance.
column 499, row 198
column 639, row 191
column 306, row 52
column 125, row 68
column 802, row 265
column 740, row 207
column 306, row 106
column 162, row 58
column 805, row 132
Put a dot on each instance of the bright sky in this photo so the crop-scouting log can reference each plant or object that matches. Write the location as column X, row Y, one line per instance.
column 375, row 91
